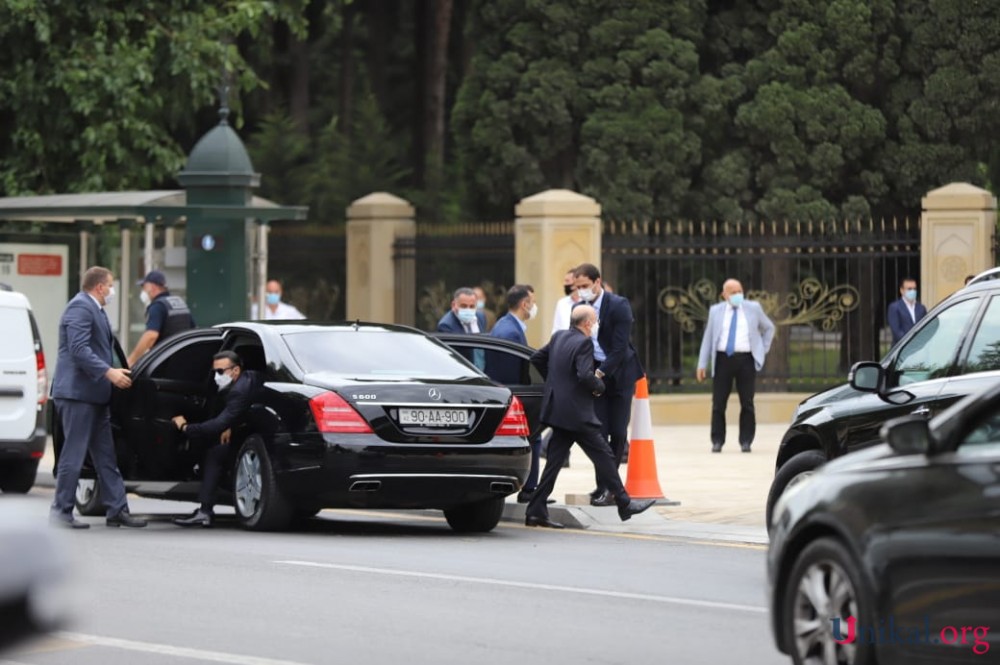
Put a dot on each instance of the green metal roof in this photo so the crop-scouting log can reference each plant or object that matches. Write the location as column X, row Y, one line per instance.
column 170, row 205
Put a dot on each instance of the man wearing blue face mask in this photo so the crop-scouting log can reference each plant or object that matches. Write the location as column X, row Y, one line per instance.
column 274, row 308
column 464, row 315
column 737, row 338
column 905, row 312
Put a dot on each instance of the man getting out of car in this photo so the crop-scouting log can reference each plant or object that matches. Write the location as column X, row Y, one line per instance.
column 239, row 389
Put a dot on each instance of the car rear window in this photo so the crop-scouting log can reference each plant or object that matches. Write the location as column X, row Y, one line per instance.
column 376, row 353
column 16, row 341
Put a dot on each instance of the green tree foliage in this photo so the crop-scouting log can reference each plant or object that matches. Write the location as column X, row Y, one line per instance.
column 93, row 94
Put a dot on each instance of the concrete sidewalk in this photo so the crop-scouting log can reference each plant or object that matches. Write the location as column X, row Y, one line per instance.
column 721, row 496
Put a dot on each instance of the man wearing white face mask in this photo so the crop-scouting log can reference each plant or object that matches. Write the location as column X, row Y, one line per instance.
column 239, row 389
column 166, row 315
column 737, row 338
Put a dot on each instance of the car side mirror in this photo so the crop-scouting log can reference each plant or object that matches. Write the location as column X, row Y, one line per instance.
column 866, row 376
column 909, row 435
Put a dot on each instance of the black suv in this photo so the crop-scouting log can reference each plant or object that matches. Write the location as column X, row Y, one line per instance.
column 952, row 352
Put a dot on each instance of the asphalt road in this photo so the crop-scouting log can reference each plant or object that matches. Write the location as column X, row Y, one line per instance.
column 365, row 587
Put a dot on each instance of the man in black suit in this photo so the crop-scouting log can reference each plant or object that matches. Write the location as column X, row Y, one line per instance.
column 617, row 365
column 239, row 389
column 81, row 390
column 571, row 384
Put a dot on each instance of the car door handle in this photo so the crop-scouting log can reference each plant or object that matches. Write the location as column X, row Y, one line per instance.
column 922, row 411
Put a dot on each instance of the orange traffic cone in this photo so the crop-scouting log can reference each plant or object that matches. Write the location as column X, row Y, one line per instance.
column 642, row 482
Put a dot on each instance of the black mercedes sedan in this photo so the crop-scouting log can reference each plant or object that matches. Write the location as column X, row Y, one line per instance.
column 352, row 415
column 892, row 554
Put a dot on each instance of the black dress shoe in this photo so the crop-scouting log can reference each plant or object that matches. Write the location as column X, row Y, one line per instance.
column 634, row 507
column 745, row 447
column 716, row 447
column 124, row 518
column 68, row 523
column 198, row 518
column 604, row 499
column 531, row 520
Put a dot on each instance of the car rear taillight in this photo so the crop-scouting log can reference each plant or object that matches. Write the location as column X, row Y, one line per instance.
column 43, row 382
column 514, row 421
column 335, row 416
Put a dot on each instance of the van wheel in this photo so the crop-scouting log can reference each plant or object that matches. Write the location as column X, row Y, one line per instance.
column 88, row 497
column 795, row 470
column 259, row 503
column 18, row 477
column 479, row 517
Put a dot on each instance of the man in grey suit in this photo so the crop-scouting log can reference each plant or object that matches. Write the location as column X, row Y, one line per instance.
column 81, row 390
column 737, row 338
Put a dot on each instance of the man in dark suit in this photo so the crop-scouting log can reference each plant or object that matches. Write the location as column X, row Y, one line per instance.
column 905, row 312
column 571, row 386
column 81, row 390
column 239, row 390
column 617, row 364
column 464, row 317
column 506, row 369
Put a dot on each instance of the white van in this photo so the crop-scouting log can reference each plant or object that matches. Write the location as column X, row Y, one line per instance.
column 23, row 394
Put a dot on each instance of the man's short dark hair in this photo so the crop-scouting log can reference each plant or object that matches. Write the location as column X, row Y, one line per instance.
column 463, row 291
column 905, row 280
column 588, row 270
column 516, row 295
column 94, row 277
column 231, row 356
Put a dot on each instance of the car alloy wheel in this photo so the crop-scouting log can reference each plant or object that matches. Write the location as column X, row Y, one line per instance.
column 248, row 486
column 824, row 586
column 88, row 497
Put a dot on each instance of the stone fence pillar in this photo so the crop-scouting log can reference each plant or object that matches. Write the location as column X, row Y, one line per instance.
column 956, row 238
column 373, row 224
column 555, row 231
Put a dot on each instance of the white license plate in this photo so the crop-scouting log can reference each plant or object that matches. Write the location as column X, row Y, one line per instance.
column 434, row 417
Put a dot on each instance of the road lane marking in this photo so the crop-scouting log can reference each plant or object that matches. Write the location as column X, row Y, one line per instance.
column 669, row 600
column 169, row 650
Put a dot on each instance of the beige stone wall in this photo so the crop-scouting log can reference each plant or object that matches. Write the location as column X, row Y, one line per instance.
column 555, row 231
column 373, row 224
column 956, row 238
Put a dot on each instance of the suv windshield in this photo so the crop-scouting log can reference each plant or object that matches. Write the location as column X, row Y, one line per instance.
column 377, row 353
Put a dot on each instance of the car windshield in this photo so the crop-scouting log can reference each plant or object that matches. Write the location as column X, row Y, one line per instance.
column 375, row 353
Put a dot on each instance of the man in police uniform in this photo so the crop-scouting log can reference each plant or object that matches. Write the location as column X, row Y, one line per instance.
column 166, row 315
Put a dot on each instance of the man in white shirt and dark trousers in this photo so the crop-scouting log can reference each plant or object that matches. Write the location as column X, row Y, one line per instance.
column 737, row 338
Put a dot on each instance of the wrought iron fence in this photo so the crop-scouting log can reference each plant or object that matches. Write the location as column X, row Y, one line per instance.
column 443, row 257
column 826, row 286
column 311, row 263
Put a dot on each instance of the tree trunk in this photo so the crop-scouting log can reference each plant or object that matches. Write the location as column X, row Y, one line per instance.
column 378, row 48
column 437, row 76
column 298, row 95
column 422, row 26
column 346, row 70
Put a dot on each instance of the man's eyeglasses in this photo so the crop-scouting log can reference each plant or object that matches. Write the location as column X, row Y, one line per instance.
column 221, row 370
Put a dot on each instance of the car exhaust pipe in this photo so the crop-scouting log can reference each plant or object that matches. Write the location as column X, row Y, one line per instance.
column 502, row 488
column 365, row 486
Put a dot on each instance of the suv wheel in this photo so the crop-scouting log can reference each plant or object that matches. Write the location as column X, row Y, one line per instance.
column 18, row 477
column 824, row 585
column 795, row 470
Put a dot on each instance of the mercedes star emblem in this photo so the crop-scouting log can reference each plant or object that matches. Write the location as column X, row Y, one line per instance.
column 433, row 393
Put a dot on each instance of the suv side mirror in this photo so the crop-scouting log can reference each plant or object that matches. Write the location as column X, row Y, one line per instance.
column 866, row 376
column 909, row 435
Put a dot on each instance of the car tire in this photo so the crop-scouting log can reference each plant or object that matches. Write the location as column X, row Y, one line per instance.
column 259, row 502
column 88, row 497
column 798, row 468
column 826, row 572
column 18, row 477
column 479, row 517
